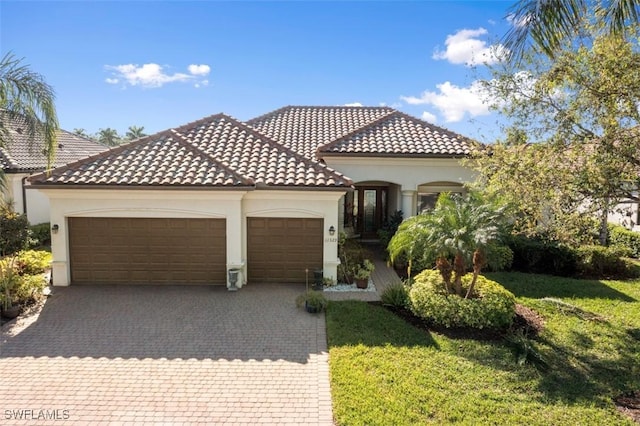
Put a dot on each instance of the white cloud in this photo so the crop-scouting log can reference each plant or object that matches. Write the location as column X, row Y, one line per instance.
column 353, row 104
column 465, row 47
column 427, row 116
column 199, row 69
column 454, row 102
column 152, row 75
column 518, row 22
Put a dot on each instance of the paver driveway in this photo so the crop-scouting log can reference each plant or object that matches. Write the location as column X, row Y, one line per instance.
column 167, row 355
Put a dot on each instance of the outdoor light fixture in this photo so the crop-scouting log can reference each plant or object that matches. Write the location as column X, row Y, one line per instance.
column 55, row 228
column 332, row 230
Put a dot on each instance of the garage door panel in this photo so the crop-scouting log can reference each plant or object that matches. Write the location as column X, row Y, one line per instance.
column 147, row 251
column 280, row 249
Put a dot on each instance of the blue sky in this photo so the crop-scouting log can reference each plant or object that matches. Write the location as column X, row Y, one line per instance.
column 162, row 64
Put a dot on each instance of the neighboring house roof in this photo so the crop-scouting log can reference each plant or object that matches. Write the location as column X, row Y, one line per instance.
column 216, row 151
column 20, row 154
column 399, row 135
column 305, row 128
column 377, row 131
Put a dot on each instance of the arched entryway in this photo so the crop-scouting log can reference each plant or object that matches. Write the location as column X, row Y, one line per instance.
column 368, row 207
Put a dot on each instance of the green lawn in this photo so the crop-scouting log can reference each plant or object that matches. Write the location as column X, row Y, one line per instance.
column 384, row 371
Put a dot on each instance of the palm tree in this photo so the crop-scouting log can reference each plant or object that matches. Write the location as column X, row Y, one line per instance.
column 27, row 100
column 109, row 137
column 547, row 23
column 135, row 132
column 459, row 228
column 81, row 132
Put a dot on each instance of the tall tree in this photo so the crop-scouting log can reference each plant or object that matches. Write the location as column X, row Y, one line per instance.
column 26, row 99
column 81, row 132
column 135, row 132
column 109, row 137
column 581, row 109
column 548, row 24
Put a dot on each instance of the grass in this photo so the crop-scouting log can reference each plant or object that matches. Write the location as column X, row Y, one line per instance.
column 385, row 371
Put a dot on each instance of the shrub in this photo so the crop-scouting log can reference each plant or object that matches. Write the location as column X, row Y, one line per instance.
column 600, row 262
column 31, row 262
column 493, row 308
column 621, row 236
column 14, row 231
column 542, row 256
column 40, row 235
column 28, row 288
column 500, row 257
column 396, row 295
column 389, row 228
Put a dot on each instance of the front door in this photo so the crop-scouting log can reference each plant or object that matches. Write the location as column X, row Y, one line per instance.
column 372, row 203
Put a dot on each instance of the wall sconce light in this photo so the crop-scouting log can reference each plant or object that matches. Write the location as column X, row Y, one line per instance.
column 55, row 228
column 332, row 230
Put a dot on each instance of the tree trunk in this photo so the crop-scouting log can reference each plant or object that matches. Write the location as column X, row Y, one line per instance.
column 478, row 262
column 444, row 267
column 604, row 229
column 460, row 269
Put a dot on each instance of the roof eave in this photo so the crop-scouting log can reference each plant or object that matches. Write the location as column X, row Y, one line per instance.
column 141, row 187
column 392, row 155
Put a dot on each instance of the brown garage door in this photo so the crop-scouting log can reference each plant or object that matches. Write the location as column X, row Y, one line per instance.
column 280, row 249
column 147, row 251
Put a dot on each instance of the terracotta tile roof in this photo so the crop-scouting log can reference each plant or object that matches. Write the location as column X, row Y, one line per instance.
column 216, row 151
column 377, row 131
column 305, row 128
column 20, row 154
column 399, row 134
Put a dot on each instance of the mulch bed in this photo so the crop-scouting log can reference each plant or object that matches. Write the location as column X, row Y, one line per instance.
column 527, row 320
column 629, row 404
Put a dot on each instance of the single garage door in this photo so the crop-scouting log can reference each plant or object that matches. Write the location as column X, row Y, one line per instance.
column 280, row 249
column 147, row 251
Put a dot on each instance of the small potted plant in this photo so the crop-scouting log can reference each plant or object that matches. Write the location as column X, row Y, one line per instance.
column 313, row 301
column 363, row 272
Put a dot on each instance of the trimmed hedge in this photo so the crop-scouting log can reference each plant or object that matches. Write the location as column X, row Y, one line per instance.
column 540, row 256
column 621, row 236
column 429, row 299
column 604, row 262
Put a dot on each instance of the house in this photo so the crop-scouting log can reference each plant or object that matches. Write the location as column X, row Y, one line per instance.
column 21, row 157
column 267, row 197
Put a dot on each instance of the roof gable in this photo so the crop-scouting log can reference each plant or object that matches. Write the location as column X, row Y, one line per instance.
column 399, row 134
column 216, row 151
column 305, row 128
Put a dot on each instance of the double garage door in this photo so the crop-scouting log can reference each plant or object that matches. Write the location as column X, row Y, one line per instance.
column 189, row 251
column 147, row 251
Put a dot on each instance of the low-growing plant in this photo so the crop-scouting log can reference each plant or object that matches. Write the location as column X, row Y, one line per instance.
column 363, row 270
column 525, row 351
column 491, row 307
column 28, row 288
column 396, row 295
column 313, row 299
column 32, row 262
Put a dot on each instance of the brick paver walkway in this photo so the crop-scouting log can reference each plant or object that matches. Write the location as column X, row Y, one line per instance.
column 108, row 355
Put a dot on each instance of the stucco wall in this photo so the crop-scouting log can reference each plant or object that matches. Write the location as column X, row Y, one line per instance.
column 37, row 203
column 234, row 206
column 408, row 173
